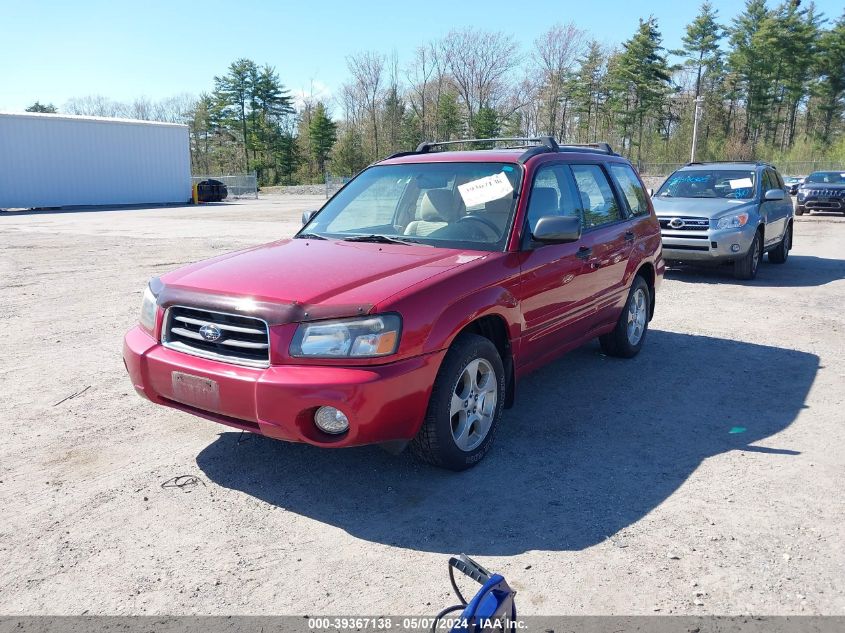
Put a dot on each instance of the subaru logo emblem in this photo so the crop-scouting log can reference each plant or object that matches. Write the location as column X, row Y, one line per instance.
column 210, row 332
column 676, row 223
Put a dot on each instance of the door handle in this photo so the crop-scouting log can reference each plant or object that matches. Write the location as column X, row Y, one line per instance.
column 584, row 252
column 629, row 236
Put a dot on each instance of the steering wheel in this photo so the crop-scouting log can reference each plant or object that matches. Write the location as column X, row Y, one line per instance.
column 487, row 223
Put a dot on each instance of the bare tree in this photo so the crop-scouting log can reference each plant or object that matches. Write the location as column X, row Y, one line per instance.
column 419, row 75
column 479, row 62
column 555, row 55
column 367, row 70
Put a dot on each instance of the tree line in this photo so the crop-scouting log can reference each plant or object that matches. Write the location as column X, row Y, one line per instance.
column 770, row 82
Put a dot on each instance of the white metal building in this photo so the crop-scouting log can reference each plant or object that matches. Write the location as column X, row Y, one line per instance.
column 56, row 160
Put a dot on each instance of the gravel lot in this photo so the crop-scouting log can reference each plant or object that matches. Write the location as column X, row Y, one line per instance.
column 704, row 476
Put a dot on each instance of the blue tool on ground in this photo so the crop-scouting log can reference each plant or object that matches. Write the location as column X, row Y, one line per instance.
column 492, row 608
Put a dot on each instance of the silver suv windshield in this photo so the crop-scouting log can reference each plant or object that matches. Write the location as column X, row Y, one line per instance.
column 709, row 183
column 450, row 205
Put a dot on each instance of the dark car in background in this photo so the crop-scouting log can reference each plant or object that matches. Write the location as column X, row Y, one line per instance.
column 792, row 183
column 821, row 191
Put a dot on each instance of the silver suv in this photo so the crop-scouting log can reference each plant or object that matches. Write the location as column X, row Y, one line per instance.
column 725, row 212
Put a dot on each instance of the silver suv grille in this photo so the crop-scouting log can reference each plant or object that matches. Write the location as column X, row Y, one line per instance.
column 686, row 224
column 231, row 338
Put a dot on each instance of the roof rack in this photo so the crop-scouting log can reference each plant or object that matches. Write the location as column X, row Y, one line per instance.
column 546, row 141
column 717, row 162
column 545, row 144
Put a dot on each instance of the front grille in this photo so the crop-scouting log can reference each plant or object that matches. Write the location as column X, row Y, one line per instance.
column 824, row 193
column 242, row 340
column 689, row 224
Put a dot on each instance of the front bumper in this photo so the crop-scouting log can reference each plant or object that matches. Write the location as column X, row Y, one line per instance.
column 384, row 403
column 707, row 246
column 822, row 203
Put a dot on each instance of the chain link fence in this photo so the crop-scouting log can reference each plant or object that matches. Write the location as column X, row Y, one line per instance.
column 238, row 185
column 334, row 183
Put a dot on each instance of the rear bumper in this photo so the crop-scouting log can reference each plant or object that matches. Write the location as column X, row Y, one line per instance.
column 710, row 246
column 384, row 403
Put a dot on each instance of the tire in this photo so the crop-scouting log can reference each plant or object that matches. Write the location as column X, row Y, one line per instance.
column 626, row 339
column 799, row 210
column 780, row 254
column 747, row 267
column 446, row 438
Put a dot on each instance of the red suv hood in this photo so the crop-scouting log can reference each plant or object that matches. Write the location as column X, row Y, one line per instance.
column 318, row 272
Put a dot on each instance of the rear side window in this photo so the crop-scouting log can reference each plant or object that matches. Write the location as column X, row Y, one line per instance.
column 631, row 187
column 597, row 199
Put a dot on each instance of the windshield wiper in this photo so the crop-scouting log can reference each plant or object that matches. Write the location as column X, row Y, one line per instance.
column 309, row 236
column 380, row 239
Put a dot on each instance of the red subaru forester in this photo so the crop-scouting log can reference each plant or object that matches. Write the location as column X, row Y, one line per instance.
column 406, row 309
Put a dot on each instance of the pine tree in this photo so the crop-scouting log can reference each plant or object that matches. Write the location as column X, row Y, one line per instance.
column 485, row 124
column 640, row 81
column 48, row 108
column 701, row 44
column 322, row 133
column 234, row 92
column 829, row 89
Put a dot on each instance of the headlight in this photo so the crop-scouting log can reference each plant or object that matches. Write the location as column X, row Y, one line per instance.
column 148, row 310
column 357, row 338
column 732, row 221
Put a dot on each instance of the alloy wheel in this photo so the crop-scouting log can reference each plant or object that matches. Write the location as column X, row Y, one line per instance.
column 637, row 315
column 473, row 404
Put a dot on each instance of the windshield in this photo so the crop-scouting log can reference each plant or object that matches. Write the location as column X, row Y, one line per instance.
column 827, row 177
column 451, row 205
column 709, row 183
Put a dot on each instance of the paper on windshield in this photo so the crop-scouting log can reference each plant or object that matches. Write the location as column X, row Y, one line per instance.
column 741, row 183
column 485, row 189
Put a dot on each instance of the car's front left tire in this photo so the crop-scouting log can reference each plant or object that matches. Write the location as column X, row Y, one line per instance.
column 465, row 405
column 746, row 267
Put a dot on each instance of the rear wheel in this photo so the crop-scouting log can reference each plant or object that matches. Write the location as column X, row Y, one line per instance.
column 746, row 268
column 780, row 254
column 626, row 339
column 465, row 405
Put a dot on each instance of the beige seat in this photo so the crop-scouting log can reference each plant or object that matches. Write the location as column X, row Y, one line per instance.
column 437, row 209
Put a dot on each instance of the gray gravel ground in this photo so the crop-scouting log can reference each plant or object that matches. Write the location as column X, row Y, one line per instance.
column 704, row 476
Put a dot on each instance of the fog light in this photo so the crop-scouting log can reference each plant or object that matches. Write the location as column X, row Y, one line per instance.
column 331, row 420
column 735, row 248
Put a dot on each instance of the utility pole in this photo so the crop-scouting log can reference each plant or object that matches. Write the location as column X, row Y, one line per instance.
column 698, row 101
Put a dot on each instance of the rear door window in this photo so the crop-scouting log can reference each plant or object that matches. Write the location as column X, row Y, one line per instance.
column 631, row 188
column 597, row 200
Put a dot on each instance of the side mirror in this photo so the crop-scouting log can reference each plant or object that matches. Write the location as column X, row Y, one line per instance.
column 306, row 216
column 775, row 194
column 557, row 229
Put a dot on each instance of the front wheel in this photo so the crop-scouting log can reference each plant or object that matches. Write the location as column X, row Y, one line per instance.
column 465, row 405
column 626, row 339
column 799, row 210
column 746, row 268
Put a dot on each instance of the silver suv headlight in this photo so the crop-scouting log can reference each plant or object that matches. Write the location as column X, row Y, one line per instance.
column 736, row 221
column 148, row 310
column 366, row 337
